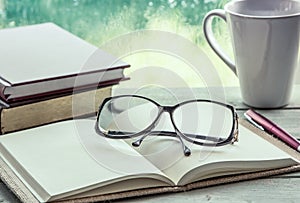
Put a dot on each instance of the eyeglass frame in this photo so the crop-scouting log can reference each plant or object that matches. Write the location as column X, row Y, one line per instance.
column 232, row 138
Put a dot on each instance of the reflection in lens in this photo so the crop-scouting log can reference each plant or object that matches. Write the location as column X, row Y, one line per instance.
column 204, row 122
column 127, row 115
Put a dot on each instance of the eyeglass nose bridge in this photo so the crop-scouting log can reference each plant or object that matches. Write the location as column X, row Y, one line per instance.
column 168, row 109
column 162, row 110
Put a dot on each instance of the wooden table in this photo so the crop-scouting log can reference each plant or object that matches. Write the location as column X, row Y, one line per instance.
column 272, row 189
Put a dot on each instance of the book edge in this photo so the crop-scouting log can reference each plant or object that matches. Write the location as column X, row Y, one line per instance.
column 15, row 184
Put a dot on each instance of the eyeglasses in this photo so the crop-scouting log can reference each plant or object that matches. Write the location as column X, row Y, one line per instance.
column 201, row 122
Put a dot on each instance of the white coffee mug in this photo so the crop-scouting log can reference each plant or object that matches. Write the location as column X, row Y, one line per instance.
column 265, row 38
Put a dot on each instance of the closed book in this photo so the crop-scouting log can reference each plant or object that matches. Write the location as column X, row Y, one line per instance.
column 81, row 104
column 45, row 61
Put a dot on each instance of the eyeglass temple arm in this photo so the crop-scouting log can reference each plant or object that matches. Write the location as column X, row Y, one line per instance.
column 170, row 134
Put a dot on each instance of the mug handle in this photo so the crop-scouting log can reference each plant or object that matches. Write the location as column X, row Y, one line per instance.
column 208, row 33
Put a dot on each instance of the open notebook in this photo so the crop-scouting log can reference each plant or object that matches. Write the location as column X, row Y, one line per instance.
column 57, row 163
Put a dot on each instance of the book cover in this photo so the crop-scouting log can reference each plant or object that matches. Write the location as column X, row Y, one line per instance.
column 45, row 60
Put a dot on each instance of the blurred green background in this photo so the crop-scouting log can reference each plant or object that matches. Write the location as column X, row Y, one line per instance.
column 100, row 20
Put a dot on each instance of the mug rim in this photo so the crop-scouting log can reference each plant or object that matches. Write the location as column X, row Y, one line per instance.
column 230, row 11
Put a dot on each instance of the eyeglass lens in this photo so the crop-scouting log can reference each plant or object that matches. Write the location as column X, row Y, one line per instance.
column 210, row 120
column 127, row 115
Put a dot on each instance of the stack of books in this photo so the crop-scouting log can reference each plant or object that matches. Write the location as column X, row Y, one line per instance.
column 48, row 74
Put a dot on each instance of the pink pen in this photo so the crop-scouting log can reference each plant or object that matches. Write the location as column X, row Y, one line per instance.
column 265, row 124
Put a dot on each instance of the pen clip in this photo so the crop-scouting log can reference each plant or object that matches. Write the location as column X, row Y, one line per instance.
column 253, row 122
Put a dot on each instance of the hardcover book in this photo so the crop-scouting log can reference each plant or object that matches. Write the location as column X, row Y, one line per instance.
column 44, row 60
column 55, row 163
column 82, row 104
